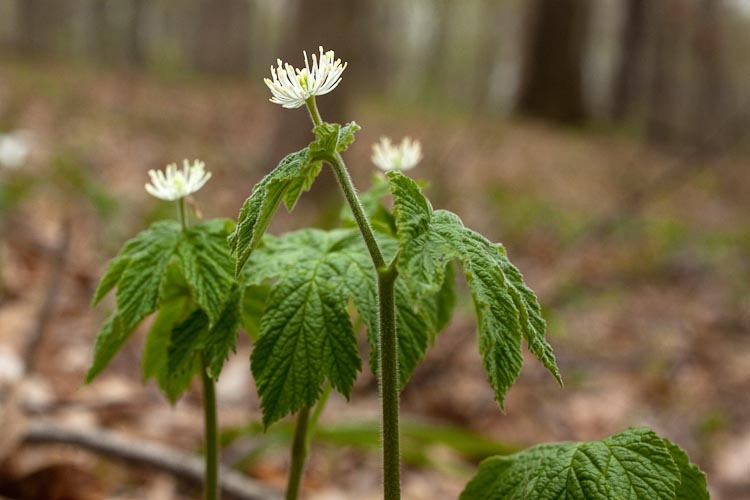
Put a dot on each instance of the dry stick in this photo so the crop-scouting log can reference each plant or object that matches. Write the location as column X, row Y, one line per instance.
column 186, row 467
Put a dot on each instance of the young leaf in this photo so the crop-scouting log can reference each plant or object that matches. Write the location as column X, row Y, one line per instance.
column 140, row 282
column 186, row 344
column 331, row 138
column 154, row 360
column 222, row 336
column 306, row 337
column 633, row 465
column 344, row 253
column 110, row 339
column 207, row 265
column 506, row 309
column 295, row 173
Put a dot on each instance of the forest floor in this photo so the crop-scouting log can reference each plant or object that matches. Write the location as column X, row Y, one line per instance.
column 640, row 258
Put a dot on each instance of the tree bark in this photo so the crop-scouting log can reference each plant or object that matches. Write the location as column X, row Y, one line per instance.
column 221, row 36
column 629, row 69
column 711, row 87
column 36, row 25
column 136, row 52
column 552, row 71
column 660, row 128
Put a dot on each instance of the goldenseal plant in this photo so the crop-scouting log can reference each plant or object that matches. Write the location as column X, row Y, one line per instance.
column 182, row 273
column 402, row 288
column 293, row 294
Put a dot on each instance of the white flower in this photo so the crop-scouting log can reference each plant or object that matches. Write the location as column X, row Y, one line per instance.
column 176, row 184
column 14, row 149
column 291, row 87
column 406, row 155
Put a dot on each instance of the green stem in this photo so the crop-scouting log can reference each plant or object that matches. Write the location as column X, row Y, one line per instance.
column 312, row 108
column 299, row 454
column 389, row 382
column 182, row 213
column 388, row 379
column 211, row 481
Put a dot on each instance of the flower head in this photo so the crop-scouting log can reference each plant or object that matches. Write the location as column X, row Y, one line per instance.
column 176, row 184
column 14, row 149
column 404, row 156
column 291, row 87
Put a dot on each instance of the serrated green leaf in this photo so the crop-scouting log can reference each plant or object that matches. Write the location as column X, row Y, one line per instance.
column 186, row 343
column 332, row 138
column 222, row 336
column 306, row 337
column 112, row 275
column 140, row 283
column 693, row 481
column 506, row 309
column 258, row 209
column 632, row 465
column 110, row 339
column 344, row 253
column 253, row 305
column 154, row 360
column 207, row 265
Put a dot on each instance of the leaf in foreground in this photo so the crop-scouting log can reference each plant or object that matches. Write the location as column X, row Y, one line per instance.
column 635, row 464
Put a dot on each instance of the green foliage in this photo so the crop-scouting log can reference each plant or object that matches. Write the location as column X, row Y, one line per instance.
column 110, row 339
column 294, row 174
column 506, row 308
column 331, row 138
column 635, row 464
column 305, row 329
column 185, row 275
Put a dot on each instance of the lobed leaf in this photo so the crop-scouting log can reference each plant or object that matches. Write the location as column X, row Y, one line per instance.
column 506, row 308
column 635, row 464
column 294, row 174
column 331, row 138
column 110, row 339
column 207, row 265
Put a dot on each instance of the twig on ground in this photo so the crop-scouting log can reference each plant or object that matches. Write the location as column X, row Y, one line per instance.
column 188, row 468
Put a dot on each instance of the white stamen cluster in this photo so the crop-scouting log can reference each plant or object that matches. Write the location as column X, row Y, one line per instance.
column 404, row 156
column 291, row 87
column 172, row 184
column 14, row 149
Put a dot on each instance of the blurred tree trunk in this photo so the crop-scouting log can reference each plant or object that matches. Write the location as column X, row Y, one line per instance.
column 660, row 128
column 36, row 25
column 492, row 10
column 710, row 94
column 221, row 36
column 136, row 52
column 98, row 31
column 433, row 73
column 552, row 72
column 338, row 25
column 629, row 69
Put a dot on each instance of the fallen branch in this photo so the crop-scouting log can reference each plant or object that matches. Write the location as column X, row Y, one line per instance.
column 188, row 468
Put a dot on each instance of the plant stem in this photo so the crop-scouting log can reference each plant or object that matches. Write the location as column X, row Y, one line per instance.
column 299, row 454
column 389, row 382
column 211, row 481
column 182, row 213
column 388, row 366
column 312, row 108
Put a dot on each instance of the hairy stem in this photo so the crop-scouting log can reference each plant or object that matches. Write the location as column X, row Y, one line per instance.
column 388, row 363
column 211, row 481
column 182, row 214
column 299, row 454
column 389, row 382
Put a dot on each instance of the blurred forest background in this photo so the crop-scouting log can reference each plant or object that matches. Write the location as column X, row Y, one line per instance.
column 605, row 143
